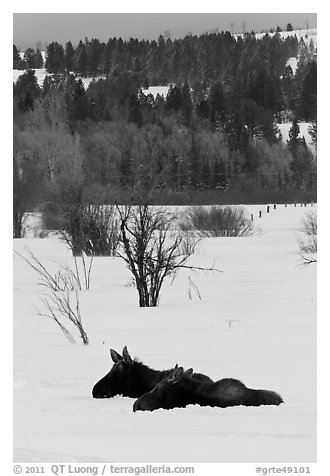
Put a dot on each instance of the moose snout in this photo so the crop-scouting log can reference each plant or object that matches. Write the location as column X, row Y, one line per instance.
column 136, row 406
column 139, row 406
column 97, row 393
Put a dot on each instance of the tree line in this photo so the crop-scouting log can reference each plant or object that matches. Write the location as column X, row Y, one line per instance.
column 214, row 135
column 244, row 65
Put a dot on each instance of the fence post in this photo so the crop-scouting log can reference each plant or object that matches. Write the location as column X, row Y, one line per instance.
column 260, row 214
column 274, row 206
column 251, row 216
column 267, row 208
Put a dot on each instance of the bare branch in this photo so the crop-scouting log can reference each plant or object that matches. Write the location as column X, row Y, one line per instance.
column 53, row 316
column 308, row 259
column 46, row 278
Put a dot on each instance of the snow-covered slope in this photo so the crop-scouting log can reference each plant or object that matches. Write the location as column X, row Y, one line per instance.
column 256, row 321
column 154, row 90
column 42, row 73
column 304, row 126
column 293, row 62
column 306, row 34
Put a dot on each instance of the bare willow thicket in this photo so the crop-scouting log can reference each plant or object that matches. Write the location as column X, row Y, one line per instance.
column 215, row 220
column 60, row 298
column 153, row 249
column 307, row 242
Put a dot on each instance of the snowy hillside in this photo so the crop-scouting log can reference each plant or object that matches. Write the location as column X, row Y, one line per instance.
column 42, row 73
column 304, row 126
column 256, row 321
column 293, row 62
column 154, row 90
column 306, row 35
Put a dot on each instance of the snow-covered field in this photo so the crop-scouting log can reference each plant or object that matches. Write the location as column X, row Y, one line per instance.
column 256, row 321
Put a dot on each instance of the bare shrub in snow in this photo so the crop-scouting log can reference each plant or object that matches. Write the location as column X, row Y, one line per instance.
column 61, row 309
column 308, row 241
column 91, row 229
column 217, row 221
column 61, row 296
column 63, row 279
column 308, row 245
column 309, row 223
column 308, row 249
column 153, row 250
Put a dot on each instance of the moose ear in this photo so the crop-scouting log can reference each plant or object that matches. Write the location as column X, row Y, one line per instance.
column 115, row 356
column 189, row 372
column 176, row 366
column 176, row 374
column 126, row 356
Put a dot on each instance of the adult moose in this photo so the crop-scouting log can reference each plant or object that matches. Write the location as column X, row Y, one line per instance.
column 131, row 378
column 180, row 389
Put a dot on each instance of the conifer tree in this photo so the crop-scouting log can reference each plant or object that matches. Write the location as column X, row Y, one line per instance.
column 174, row 98
column 68, row 56
column 217, row 101
column 308, row 97
column 81, row 60
column 33, row 59
column 29, row 58
column 18, row 62
column 39, row 61
column 26, row 90
column 186, row 105
column 55, row 58
column 135, row 112
column 302, row 165
column 287, row 84
column 294, row 140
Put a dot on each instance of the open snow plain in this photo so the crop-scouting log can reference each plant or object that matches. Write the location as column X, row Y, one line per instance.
column 256, row 321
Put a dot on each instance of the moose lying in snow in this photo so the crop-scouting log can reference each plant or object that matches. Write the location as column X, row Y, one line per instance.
column 131, row 378
column 181, row 388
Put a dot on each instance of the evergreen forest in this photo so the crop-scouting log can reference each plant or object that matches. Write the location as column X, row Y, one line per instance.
column 214, row 138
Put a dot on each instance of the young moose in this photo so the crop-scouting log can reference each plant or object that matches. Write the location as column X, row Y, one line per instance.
column 181, row 388
column 130, row 378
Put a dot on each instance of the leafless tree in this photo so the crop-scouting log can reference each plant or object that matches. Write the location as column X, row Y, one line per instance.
column 19, row 198
column 47, row 134
column 153, row 250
